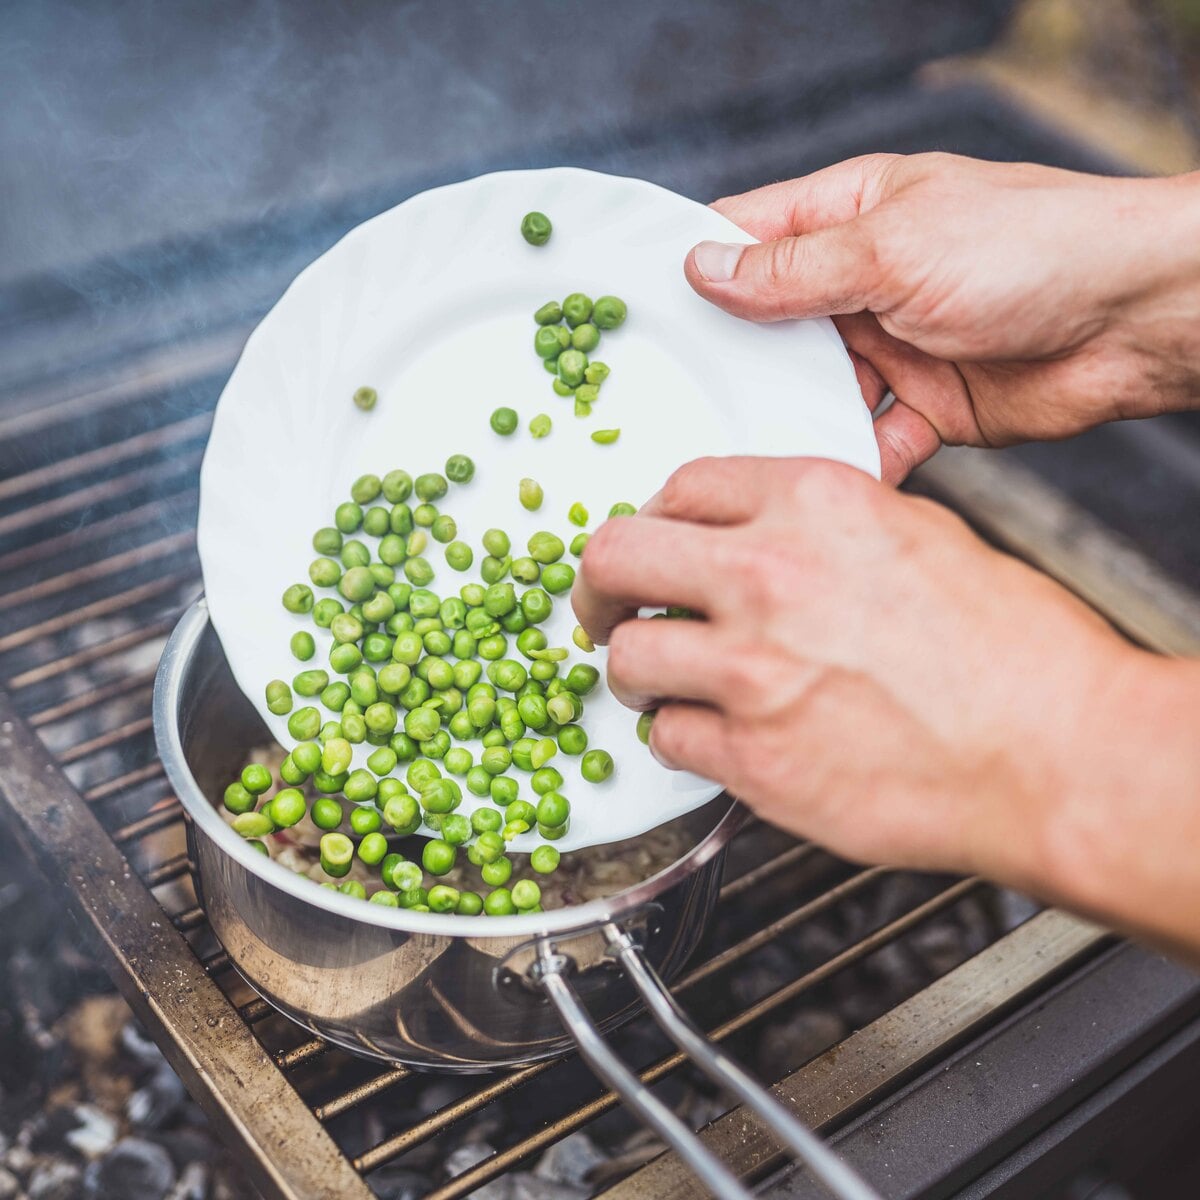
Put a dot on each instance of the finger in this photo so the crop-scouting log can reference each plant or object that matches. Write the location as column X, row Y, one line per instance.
column 872, row 385
column 832, row 270
column 692, row 737
column 631, row 562
column 657, row 659
column 827, row 197
column 712, row 491
column 906, row 440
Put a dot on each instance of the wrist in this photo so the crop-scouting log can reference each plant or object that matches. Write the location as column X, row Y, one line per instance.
column 1117, row 841
column 1154, row 302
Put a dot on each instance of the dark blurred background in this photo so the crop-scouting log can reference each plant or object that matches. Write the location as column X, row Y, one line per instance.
column 165, row 169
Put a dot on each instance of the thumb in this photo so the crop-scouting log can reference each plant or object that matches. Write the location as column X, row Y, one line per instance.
column 828, row 271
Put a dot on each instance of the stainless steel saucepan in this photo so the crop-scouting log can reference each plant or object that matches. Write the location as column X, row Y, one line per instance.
column 445, row 992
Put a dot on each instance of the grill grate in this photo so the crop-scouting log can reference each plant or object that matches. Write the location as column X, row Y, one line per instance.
column 77, row 653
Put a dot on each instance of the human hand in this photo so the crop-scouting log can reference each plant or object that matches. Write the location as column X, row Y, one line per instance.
column 869, row 674
column 998, row 302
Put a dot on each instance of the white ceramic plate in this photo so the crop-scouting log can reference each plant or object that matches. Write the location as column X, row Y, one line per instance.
column 431, row 303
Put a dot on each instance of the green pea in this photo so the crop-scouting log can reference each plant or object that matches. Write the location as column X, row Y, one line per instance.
column 571, row 366
column 480, row 623
column 439, row 674
column 402, row 813
column 444, row 529
column 596, row 373
column 597, row 766
column 536, row 228
column 372, row 850
column 580, row 637
column 549, row 314
column 357, row 584
column 348, row 517
column 558, row 578
column 533, row 711
column 482, row 711
column 537, row 605
column 422, row 723
column 361, row 786
column 499, row 599
column 546, row 779
column 495, row 760
column 337, row 853
column 279, row 697
column 327, row 540
column 459, row 556
column 397, row 486
column 304, row 724
column 354, row 728
column 526, row 894
column 354, row 554
column 507, row 674
column 383, row 761
column 381, row 717
column 543, row 751
column 530, row 641
column 577, row 308
column 254, row 824
column 392, row 550
column 498, row 903
column 460, row 468
column 545, row 547
column 622, row 509
column 376, row 521
column 379, row 608
column 325, row 610
column 431, row 486
column 494, row 737
column 530, row 494
column 562, row 389
column 525, row 570
column 497, row 872
column 290, row 773
column 544, row 860
column 545, row 342
column 605, row 437
column 307, row 756
column 365, row 398
column 438, row 857
column 418, row 571
column 609, row 312
column 585, row 337
column 298, row 598
column 376, row 647
column 424, row 516
column 336, row 756
column 540, row 426
column 511, row 725
column 239, row 798
column 401, row 520
column 582, row 678
column 326, row 813
column 504, row 421
column 553, row 809
column 456, row 829
column 493, row 569
column 572, row 739
column 521, row 750
column 492, row 647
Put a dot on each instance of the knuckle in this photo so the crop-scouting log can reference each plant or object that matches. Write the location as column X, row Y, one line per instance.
column 780, row 262
column 682, row 483
column 823, row 484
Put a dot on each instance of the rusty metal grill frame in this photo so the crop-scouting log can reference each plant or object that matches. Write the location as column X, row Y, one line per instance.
column 101, row 838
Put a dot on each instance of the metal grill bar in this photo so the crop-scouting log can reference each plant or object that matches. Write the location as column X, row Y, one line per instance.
column 85, row 700
column 78, row 501
column 105, row 456
column 157, row 819
column 98, row 608
column 105, row 741
column 137, row 557
column 93, row 654
column 43, row 548
column 112, row 787
column 167, row 871
column 487, row 1170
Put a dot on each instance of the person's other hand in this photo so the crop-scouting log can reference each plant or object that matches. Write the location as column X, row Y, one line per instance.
column 998, row 302
column 865, row 672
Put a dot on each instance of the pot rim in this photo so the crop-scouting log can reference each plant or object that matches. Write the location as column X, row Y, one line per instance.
column 168, row 700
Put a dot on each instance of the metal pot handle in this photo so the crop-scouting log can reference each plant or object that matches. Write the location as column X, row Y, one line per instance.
column 550, row 973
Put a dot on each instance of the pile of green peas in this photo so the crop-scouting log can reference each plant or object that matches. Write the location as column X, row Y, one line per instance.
column 567, row 334
column 445, row 688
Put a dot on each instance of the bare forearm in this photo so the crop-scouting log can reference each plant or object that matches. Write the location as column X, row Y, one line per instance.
column 1118, row 837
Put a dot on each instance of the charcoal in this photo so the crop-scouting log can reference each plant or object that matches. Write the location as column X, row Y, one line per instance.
column 571, row 1161
column 939, row 946
column 467, row 1156
column 787, row 1046
column 399, row 1183
column 134, row 1167
column 157, row 1102
column 10, row 1185
column 54, row 1179
column 530, row 1187
column 139, row 1047
column 94, row 1134
column 192, row 1183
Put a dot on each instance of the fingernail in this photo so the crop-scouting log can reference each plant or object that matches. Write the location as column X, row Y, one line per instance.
column 717, row 261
